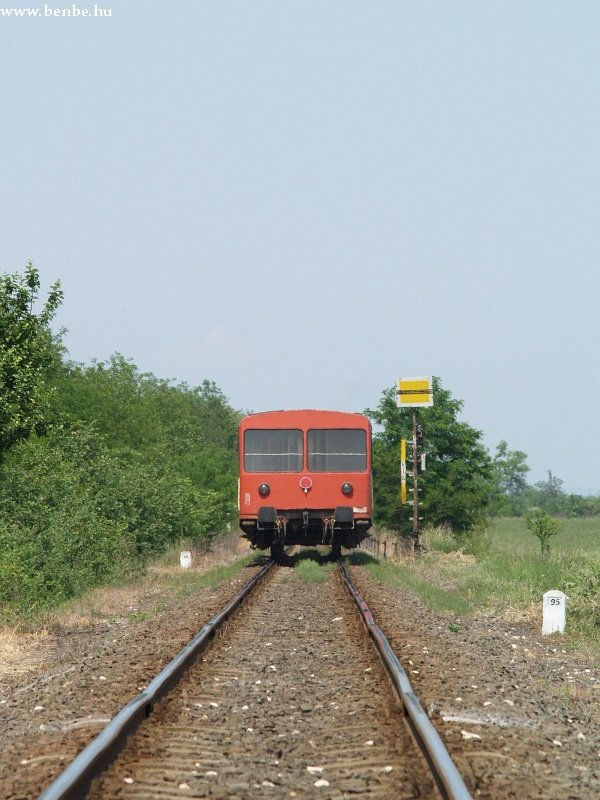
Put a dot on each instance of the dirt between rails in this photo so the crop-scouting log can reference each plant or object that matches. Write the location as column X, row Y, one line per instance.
column 520, row 716
column 291, row 701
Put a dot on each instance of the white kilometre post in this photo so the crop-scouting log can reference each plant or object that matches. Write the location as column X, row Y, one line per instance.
column 185, row 559
column 554, row 612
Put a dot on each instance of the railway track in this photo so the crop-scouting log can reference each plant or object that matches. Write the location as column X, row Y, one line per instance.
column 290, row 700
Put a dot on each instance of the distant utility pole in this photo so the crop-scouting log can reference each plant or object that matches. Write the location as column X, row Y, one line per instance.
column 413, row 393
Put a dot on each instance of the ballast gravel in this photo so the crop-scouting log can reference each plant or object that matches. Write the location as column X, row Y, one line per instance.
column 280, row 689
column 520, row 716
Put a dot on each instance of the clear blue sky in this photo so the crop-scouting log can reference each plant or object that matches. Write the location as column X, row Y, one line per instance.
column 303, row 201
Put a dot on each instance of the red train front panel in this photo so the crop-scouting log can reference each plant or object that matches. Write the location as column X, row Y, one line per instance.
column 305, row 478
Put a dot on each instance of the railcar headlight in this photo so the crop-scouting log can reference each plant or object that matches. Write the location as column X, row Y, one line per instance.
column 264, row 490
column 347, row 488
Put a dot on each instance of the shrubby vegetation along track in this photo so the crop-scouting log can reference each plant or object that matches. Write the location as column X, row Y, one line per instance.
column 290, row 701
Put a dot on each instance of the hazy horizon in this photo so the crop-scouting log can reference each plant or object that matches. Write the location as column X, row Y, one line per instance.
column 304, row 202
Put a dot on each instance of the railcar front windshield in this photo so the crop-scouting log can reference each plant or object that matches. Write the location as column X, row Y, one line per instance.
column 273, row 450
column 337, row 450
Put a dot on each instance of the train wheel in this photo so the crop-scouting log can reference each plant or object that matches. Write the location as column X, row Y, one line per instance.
column 278, row 553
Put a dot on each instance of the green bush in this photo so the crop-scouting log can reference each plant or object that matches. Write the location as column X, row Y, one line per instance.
column 543, row 527
column 54, row 543
column 41, row 567
column 74, row 515
column 158, row 506
column 101, row 467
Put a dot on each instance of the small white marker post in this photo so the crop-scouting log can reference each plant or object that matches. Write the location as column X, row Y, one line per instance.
column 185, row 559
column 554, row 612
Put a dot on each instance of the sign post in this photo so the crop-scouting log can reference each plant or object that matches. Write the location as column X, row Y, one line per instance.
column 413, row 393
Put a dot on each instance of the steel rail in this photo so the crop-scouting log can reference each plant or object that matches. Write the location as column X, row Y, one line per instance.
column 74, row 781
column 447, row 777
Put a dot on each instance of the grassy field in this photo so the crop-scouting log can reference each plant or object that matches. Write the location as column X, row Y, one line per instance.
column 577, row 537
column 501, row 572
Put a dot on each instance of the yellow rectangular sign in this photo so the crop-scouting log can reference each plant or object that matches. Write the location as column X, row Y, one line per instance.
column 414, row 392
column 403, row 471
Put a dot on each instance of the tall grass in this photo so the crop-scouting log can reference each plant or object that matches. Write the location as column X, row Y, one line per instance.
column 186, row 582
column 313, row 566
column 501, row 571
column 576, row 536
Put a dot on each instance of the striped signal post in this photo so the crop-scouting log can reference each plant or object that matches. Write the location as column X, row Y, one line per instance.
column 402, row 472
column 414, row 393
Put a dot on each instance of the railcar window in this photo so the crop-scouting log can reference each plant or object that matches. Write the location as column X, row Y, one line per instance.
column 337, row 450
column 273, row 451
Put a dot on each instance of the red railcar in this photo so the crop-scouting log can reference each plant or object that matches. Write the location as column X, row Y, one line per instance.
column 305, row 478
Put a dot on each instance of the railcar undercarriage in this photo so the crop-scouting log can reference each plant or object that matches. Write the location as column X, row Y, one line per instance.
column 276, row 529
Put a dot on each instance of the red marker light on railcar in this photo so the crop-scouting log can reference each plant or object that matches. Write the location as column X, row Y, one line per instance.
column 264, row 490
column 305, row 483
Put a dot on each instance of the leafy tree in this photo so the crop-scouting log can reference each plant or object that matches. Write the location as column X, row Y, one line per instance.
column 26, row 352
column 509, row 477
column 455, row 488
column 548, row 495
column 577, row 505
column 192, row 429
